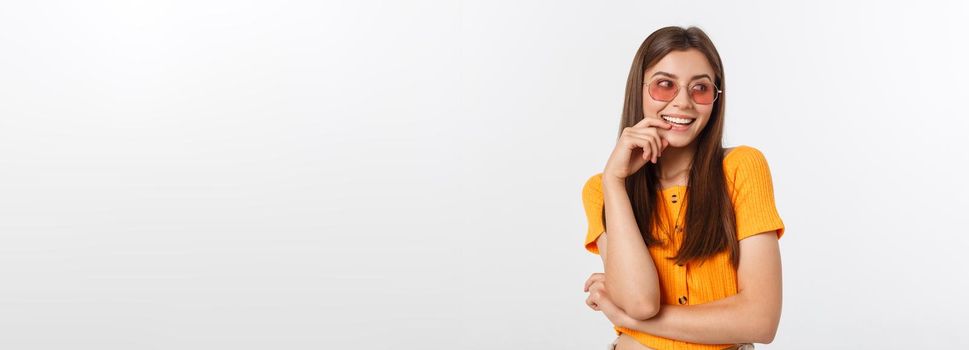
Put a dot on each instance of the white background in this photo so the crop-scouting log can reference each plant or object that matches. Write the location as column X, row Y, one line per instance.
column 388, row 175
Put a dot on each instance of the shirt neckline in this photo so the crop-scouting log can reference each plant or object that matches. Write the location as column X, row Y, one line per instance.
column 725, row 158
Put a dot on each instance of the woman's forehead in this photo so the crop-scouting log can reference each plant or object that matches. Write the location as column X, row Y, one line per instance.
column 687, row 65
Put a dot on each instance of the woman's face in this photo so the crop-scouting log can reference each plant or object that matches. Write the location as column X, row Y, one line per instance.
column 684, row 69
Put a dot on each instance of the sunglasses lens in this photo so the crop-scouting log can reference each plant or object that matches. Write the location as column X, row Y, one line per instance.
column 703, row 93
column 663, row 90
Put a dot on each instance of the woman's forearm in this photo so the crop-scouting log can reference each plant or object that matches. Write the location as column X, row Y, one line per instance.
column 631, row 278
column 730, row 320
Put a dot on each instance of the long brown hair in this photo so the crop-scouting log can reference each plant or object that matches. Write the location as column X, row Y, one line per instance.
column 710, row 224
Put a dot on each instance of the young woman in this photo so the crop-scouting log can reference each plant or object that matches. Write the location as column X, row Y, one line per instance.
column 693, row 259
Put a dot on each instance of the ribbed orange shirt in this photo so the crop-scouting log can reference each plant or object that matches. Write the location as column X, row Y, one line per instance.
column 751, row 191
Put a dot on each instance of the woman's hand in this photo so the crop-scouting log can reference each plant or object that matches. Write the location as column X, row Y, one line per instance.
column 638, row 145
column 599, row 300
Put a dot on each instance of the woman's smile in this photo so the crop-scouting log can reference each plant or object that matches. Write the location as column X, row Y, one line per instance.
column 677, row 119
column 680, row 122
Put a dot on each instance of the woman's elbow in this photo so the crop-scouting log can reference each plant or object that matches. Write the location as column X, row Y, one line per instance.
column 644, row 310
column 765, row 338
column 766, row 332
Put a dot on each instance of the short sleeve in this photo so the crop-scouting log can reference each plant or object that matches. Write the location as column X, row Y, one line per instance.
column 753, row 193
column 592, row 200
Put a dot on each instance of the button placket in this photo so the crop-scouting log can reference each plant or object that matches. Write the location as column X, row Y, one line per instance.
column 680, row 270
column 682, row 288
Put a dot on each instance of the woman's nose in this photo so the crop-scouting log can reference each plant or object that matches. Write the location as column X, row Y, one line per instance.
column 682, row 98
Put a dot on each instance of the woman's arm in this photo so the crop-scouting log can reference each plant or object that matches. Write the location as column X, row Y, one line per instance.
column 750, row 316
column 632, row 281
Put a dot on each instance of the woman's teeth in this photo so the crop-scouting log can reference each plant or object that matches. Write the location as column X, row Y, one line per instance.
column 678, row 121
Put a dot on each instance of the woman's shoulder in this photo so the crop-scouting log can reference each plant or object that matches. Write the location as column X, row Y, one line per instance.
column 735, row 156
column 744, row 159
column 592, row 189
column 741, row 150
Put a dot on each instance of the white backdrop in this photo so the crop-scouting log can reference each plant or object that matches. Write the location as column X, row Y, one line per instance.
column 386, row 175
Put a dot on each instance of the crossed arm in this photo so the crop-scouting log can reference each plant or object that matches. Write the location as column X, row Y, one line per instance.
column 635, row 284
column 752, row 315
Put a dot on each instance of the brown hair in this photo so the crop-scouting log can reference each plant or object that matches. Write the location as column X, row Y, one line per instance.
column 710, row 224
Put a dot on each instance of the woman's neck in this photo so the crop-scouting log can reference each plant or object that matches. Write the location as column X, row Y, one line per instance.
column 674, row 165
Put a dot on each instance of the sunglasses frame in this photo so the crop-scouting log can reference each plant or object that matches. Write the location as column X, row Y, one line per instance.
column 715, row 88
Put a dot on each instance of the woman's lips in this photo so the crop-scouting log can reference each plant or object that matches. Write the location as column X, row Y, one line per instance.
column 677, row 127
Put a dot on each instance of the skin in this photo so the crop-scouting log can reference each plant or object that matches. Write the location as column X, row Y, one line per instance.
column 631, row 299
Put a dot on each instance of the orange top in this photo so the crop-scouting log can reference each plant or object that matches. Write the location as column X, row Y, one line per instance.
column 751, row 191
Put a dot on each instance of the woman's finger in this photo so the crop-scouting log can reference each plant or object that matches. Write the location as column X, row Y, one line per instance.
column 642, row 140
column 595, row 277
column 655, row 137
column 597, row 288
column 632, row 140
column 648, row 123
column 654, row 142
column 593, row 300
column 653, row 122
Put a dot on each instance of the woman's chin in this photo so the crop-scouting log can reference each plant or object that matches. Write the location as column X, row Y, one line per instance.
column 678, row 142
